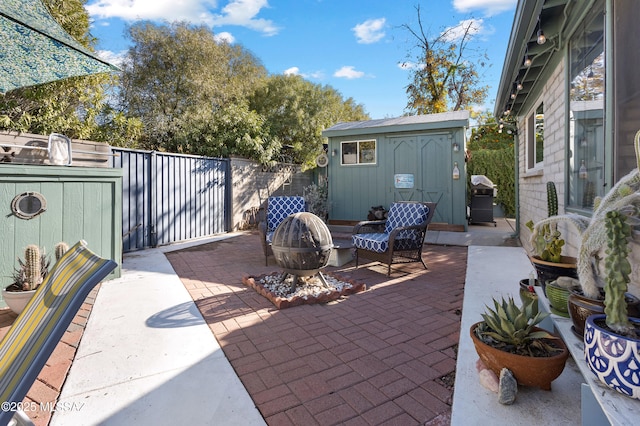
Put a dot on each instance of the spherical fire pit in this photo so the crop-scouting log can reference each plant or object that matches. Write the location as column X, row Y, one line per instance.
column 302, row 245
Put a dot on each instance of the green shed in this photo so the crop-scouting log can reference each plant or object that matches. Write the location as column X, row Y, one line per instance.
column 413, row 158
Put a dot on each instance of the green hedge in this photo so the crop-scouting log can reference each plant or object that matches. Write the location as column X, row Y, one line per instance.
column 499, row 166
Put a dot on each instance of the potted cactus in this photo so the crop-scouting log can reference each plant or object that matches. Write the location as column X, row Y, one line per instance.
column 31, row 272
column 547, row 257
column 608, row 240
column 612, row 339
column 509, row 338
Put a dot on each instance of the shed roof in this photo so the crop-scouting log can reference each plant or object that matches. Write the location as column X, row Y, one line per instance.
column 445, row 120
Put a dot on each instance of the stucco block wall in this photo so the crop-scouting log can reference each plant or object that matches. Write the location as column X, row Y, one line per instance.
column 252, row 184
column 533, row 184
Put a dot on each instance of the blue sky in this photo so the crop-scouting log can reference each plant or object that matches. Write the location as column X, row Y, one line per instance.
column 355, row 46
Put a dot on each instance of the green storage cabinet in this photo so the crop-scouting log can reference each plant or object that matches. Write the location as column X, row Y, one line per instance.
column 79, row 203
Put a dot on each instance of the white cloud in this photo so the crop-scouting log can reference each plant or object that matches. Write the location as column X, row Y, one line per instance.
column 292, row 71
column 131, row 10
column 318, row 75
column 408, row 65
column 236, row 12
column 488, row 7
column 470, row 26
column 243, row 13
column 348, row 72
column 113, row 58
column 224, row 36
column 370, row 31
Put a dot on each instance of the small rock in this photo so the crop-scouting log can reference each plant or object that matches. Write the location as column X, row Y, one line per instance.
column 508, row 387
column 489, row 380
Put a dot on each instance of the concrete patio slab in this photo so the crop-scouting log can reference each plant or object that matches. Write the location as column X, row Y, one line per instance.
column 145, row 354
column 496, row 272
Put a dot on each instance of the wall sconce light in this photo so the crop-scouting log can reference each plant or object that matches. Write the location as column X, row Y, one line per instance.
column 334, row 152
column 456, row 147
column 541, row 39
column 456, row 171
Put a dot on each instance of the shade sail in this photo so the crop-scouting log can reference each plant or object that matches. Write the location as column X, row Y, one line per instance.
column 35, row 49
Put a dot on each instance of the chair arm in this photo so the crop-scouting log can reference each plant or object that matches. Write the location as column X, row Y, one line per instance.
column 262, row 227
column 369, row 226
column 392, row 235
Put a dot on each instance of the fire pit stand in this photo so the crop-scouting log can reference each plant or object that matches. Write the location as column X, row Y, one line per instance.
column 301, row 246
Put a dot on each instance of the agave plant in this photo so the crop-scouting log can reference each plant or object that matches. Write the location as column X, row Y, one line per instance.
column 513, row 329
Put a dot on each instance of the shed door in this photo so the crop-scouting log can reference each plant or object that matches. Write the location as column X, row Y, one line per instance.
column 428, row 159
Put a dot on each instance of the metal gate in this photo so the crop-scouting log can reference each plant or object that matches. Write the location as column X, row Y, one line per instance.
column 171, row 197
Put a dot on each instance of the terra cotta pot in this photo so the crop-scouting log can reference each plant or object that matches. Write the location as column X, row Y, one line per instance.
column 580, row 307
column 528, row 371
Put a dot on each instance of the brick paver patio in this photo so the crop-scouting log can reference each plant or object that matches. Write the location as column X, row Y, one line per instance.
column 383, row 356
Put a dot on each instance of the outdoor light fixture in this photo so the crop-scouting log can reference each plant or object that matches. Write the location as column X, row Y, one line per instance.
column 541, row 38
column 519, row 86
column 334, row 152
column 456, row 171
column 527, row 61
column 456, row 147
column 513, row 95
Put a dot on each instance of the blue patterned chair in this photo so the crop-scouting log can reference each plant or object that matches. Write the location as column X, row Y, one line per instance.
column 399, row 238
column 34, row 335
column 278, row 208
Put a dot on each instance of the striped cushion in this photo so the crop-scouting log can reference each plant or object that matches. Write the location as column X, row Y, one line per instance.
column 279, row 208
column 34, row 335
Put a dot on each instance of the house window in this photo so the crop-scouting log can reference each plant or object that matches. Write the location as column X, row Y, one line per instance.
column 358, row 152
column 625, row 84
column 535, row 138
column 586, row 112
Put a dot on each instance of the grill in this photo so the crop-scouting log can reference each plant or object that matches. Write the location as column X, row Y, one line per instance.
column 301, row 246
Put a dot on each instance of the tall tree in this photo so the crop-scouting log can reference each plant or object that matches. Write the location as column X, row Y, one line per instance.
column 177, row 77
column 444, row 76
column 297, row 111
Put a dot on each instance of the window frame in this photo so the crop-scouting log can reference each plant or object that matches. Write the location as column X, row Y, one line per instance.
column 359, row 153
column 531, row 141
column 586, row 130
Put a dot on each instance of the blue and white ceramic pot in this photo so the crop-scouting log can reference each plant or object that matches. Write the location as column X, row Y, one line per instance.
column 614, row 359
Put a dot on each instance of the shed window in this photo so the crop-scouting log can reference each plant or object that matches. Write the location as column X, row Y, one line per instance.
column 535, row 138
column 358, row 152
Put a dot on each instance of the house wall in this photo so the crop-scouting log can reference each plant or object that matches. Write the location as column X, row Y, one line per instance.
column 533, row 206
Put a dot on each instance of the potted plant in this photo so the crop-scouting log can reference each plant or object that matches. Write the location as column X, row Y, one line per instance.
column 30, row 273
column 603, row 266
column 547, row 245
column 612, row 340
column 509, row 338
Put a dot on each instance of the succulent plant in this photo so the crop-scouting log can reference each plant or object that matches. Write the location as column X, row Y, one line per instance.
column 617, row 269
column 31, row 271
column 545, row 238
column 60, row 249
column 512, row 329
